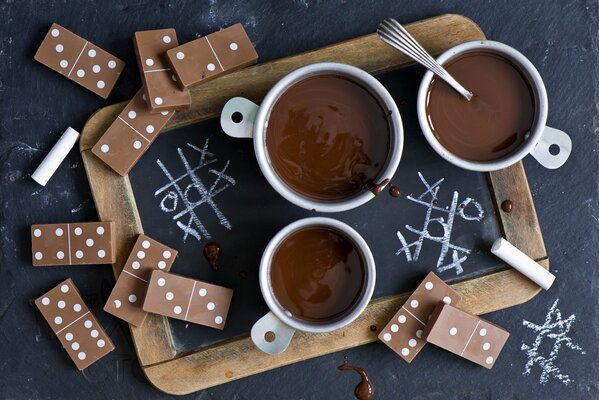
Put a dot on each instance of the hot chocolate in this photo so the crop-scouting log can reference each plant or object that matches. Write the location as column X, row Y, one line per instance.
column 328, row 137
column 496, row 121
column 317, row 274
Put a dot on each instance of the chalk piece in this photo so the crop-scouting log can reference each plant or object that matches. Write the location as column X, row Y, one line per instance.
column 130, row 135
column 523, row 263
column 466, row 335
column 76, row 327
column 210, row 56
column 79, row 60
column 126, row 299
column 161, row 90
column 56, row 156
column 77, row 243
column 187, row 299
column 403, row 334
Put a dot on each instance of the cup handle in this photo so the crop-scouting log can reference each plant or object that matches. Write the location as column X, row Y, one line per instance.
column 549, row 137
column 271, row 335
column 237, row 117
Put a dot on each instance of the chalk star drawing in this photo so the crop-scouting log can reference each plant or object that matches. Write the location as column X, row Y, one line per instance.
column 194, row 194
column 554, row 328
column 458, row 254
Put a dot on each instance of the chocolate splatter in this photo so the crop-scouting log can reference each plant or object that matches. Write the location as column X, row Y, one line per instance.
column 507, row 206
column 394, row 191
column 373, row 328
column 364, row 390
column 378, row 187
column 212, row 252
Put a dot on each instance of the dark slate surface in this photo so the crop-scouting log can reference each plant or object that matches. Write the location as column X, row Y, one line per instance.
column 37, row 104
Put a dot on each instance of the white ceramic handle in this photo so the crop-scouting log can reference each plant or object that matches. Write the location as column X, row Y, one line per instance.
column 244, row 112
column 280, row 334
column 541, row 151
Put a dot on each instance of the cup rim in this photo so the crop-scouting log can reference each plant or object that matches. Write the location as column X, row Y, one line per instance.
column 535, row 81
column 396, row 134
column 369, row 280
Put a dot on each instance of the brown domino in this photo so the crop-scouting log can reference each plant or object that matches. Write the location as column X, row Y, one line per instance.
column 210, row 56
column 162, row 92
column 76, row 243
column 75, row 326
column 126, row 299
column 130, row 135
column 466, row 335
column 183, row 298
column 79, row 60
column 404, row 333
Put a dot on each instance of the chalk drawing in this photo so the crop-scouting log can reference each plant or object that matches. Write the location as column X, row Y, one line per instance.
column 183, row 200
column 458, row 254
column 79, row 207
column 556, row 329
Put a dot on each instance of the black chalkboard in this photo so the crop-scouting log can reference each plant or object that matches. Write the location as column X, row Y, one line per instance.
column 242, row 212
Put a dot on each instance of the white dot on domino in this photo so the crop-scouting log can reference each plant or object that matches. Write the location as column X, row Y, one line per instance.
column 447, row 300
column 45, row 301
column 77, row 307
column 174, row 78
column 211, row 67
column 59, row 48
column 405, row 351
column 158, row 100
column 37, row 233
column 117, row 303
column 61, row 304
column 78, row 231
column 149, row 62
column 39, row 255
column 387, row 337
column 489, row 360
column 169, row 296
column 100, row 230
column 132, row 298
column 112, row 64
column 58, row 320
column 94, row 333
column 486, row 346
column 91, row 53
column 87, row 324
column 166, row 254
column 166, row 39
column 161, row 265
column 180, row 55
column 482, row 332
column 218, row 319
column 68, row 336
column 210, row 306
column 64, row 288
column 202, row 292
column 150, row 128
column 80, row 73
column 419, row 333
column 96, row 68
column 64, row 63
column 55, row 32
column 233, row 46
column 141, row 254
column 101, row 253
column 137, row 145
column 89, row 242
column 60, row 255
column 132, row 114
column 81, row 356
column 161, row 281
column 100, row 84
column 428, row 285
column 145, row 244
column 412, row 343
column 414, row 303
column 177, row 310
column 401, row 319
column 105, row 148
column 394, row 328
column 59, row 232
column 135, row 265
column 164, row 112
column 75, row 346
column 100, row 343
column 79, row 254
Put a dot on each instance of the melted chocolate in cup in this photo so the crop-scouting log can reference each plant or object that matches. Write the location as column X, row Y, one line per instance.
column 496, row 121
column 317, row 274
column 328, row 137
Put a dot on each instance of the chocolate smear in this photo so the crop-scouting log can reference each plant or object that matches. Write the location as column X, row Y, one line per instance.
column 507, row 206
column 212, row 252
column 364, row 390
column 394, row 191
column 378, row 187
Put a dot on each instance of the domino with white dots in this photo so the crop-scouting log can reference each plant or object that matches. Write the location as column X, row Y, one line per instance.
column 130, row 135
column 79, row 60
column 160, row 86
column 76, row 327
column 187, row 299
column 404, row 333
column 77, row 243
column 210, row 56
column 466, row 335
column 126, row 299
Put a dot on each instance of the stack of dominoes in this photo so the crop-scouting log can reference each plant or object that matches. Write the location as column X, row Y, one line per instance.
column 431, row 315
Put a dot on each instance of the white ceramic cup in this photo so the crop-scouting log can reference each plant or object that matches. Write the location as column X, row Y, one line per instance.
column 541, row 136
column 255, row 120
column 279, row 323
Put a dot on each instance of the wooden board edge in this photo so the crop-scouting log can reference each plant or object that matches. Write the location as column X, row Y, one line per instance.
column 114, row 201
column 239, row 358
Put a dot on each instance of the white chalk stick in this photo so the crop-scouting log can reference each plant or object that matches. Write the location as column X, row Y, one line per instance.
column 56, row 156
column 523, row 263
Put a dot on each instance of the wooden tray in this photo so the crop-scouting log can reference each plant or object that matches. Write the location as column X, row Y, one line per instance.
column 182, row 373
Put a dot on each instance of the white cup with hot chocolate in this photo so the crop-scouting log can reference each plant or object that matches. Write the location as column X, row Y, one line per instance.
column 504, row 122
